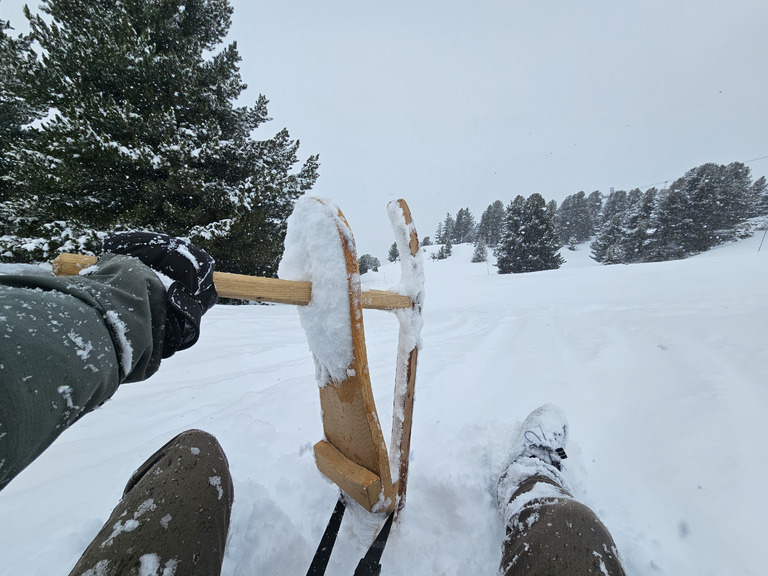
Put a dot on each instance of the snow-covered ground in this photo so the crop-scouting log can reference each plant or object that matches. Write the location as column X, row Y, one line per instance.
column 661, row 368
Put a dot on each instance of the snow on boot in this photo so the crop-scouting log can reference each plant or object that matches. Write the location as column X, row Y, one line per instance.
column 540, row 450
column 543, row 435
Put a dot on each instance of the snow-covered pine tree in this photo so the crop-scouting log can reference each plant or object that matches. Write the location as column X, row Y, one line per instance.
column 17, row 63
column 146, row 133
column 394, row 253
column 615, row 203
column 480, row 253
column 448, row 247
column 552, row 209
column 671, row 227
column 637, row 225
column 573, row 220
column 464, row 227
column 492, row 223
column 711, row 198
column 506, row 249
column 439, row 234
column 735, row 198
column 717, row 200
column 595, row 207
column 368, row 262
column 759, row 196
column 529, row 243
column 540, row 245
column 607, row 247
column 448, row 225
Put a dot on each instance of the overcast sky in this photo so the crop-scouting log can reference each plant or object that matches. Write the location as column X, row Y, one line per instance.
column 453, row 104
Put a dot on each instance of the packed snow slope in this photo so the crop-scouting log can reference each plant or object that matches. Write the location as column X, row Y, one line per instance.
column 662, row 370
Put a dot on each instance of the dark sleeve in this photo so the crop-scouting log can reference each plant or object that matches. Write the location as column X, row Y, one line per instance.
column 65, row 346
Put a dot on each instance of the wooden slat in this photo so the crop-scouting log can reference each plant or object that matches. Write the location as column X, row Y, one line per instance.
column 259, row 289
column 360, row 483
column 350, row 422
column 384, row 300
column 252, row 288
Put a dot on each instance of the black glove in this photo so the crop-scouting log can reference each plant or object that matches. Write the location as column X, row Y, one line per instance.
column 191, row 293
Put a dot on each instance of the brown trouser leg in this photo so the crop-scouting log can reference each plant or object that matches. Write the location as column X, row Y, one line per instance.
column 552, row 536
column 173, row 517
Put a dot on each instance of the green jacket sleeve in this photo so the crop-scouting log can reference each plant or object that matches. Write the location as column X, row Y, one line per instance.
column 65, row 346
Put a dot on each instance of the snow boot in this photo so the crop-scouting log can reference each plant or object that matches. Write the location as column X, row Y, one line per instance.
column 539, row 450
column 548, row 533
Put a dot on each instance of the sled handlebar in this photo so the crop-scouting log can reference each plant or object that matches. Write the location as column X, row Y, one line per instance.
column 254, row 288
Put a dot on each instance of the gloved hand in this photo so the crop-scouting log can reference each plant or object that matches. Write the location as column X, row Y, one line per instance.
column 188, row 272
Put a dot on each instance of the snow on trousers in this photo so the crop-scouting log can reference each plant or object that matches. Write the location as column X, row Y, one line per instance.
column 555, row 536
column 66, row 344
column 173, row 517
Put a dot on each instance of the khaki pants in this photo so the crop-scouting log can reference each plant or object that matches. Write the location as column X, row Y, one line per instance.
column 555, row 535
column 173, row 517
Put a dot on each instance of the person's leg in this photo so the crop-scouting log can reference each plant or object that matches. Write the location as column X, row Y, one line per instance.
column 549, row 533
column 173, row 517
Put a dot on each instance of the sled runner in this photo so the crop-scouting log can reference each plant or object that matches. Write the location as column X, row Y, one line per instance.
column 353, row 453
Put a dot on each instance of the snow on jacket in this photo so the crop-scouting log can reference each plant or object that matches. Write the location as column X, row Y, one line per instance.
column 66, row 344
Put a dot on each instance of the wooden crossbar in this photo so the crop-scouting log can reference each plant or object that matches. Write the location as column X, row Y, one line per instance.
column 254, row 288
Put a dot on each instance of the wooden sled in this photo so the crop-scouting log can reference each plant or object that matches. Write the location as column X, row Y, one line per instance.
column 353, row 453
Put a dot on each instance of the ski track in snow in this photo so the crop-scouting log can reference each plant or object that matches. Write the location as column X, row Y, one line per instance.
column 660, row 369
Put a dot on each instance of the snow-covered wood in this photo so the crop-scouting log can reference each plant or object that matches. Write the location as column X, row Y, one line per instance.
column 320, row 247
column 409, row 341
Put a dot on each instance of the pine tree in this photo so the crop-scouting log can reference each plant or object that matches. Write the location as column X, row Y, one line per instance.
column 513, row 222
column 595, row 207
column 444, row 251
column 735, row 197
column 607, row 247
column 15, row 55
column 540, row 245
column 448, row 225
column 552, row 209
column 529, row 243
column 146, row 133
column 637, row 225
column 439, row 234
column 480, row 253
column 464, row 227
column 710, row 202
column 448, row 247
column 573, row 220
column 17, row 64
column 394, row 253
column 366, row 262
column 759, row 198
column 672, row 228
column 717, row 200
column 492, row 223
column 612, row 244
column 615, row 204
